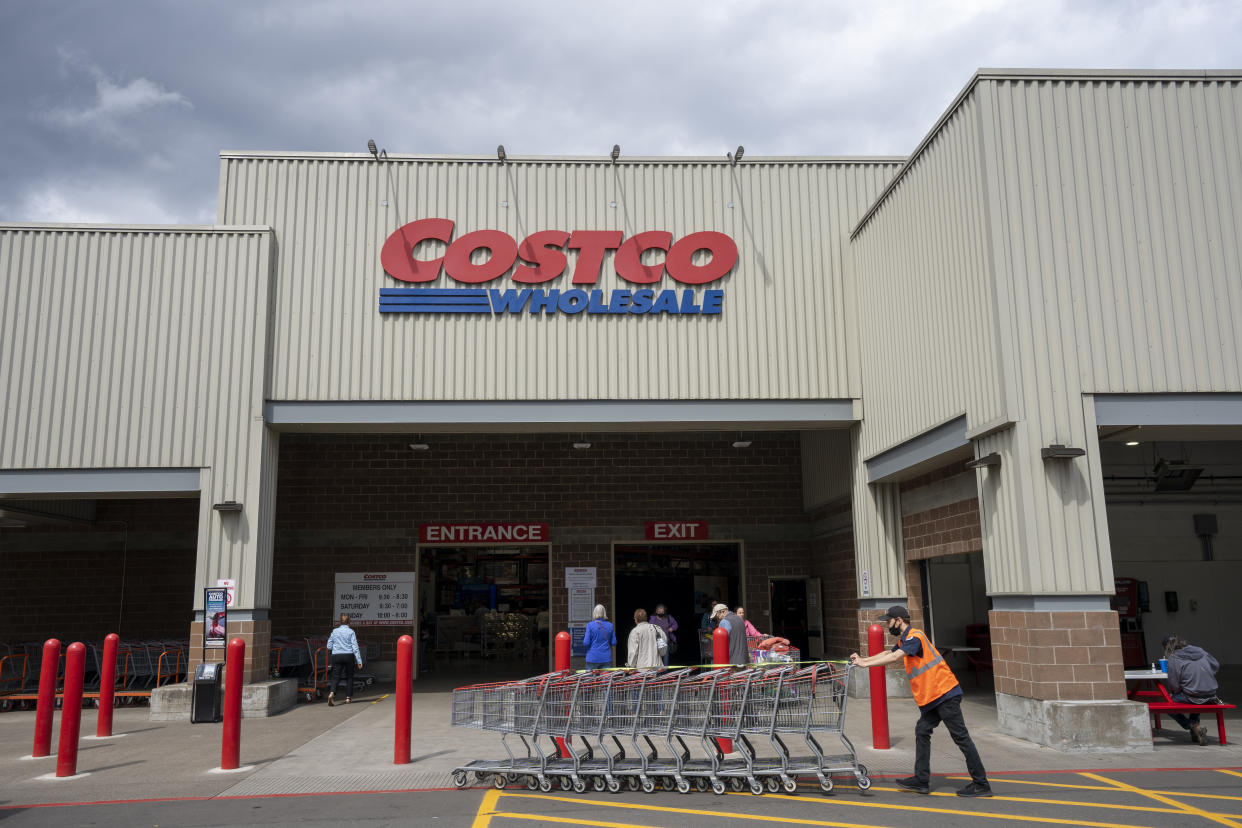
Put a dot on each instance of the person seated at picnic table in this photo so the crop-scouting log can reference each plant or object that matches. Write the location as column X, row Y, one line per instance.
column 1191, row 680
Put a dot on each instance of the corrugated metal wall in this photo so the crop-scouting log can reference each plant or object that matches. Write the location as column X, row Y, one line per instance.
column 928, row 336
column 140, row 347
column 782, row 334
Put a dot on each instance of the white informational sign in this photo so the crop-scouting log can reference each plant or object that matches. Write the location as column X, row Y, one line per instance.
column 230, row 585
column 376, row 599
column 866, row 583
column 581, row 604
column 582, row 577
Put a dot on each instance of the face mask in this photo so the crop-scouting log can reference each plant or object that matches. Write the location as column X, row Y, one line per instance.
column 895, row 631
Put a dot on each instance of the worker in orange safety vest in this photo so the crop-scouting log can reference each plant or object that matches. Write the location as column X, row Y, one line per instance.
column 938, row 696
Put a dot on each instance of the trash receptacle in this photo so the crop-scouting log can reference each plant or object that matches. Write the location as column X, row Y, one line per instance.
column 207, row 693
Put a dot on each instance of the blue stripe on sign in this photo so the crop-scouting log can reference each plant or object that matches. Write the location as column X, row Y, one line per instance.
column 407, row 308
column 436, row 300
column 432, row 292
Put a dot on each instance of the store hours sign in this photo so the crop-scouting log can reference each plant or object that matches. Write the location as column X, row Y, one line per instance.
column 376, row 599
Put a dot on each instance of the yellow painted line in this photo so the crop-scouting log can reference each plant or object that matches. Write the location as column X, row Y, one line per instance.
column 483, row 816
column 380, row 699
column 1231, row 773
column 1069, row 802
column 563, row 820
column 1013, row 781
column 1010, row 817
column 1189, row 809
column 785, row 820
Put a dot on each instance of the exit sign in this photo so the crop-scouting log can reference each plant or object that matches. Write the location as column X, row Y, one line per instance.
column 677, row 530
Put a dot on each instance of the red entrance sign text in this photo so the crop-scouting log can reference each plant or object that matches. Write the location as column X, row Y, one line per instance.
column 483, row 533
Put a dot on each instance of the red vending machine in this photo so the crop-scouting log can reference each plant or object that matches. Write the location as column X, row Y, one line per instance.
column 1130, row 602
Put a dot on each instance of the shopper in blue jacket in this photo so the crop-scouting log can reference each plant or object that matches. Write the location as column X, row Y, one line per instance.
column 599, row 640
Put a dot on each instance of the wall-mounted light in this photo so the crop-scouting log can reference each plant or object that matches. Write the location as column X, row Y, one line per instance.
column 419, row 446
column 375, row 151
column 986, row 461
column 737, row 156
column 741, row 443
column 500, row 152
column 1056, row 451
column 582, row 445
column 228, row 506
column 1132, row 442
column 616, row 153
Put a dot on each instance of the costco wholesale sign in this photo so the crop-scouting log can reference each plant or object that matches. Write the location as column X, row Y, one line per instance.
column 376, row 599
column 541, row 258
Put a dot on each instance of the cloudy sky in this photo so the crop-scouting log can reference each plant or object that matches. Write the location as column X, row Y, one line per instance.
column 117, row 111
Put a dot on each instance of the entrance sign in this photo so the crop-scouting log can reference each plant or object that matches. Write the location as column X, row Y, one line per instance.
column 483, row 532
column 376, row 599
column 215, row 616
column 542, row 257
column 677, row 530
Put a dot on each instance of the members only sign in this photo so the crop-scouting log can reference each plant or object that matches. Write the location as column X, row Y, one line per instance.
column 376, row 599
column 693, row 261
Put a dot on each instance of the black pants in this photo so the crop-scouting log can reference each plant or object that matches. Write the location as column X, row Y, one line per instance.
column 949, row 712
column 342, row 669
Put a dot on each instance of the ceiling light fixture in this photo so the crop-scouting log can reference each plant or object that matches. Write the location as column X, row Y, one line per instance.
column 741, row 443
column 419, row 446
column 582, row 444
column 1132, row 443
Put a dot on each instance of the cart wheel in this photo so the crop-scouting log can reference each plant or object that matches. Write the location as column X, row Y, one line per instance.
column 308, row 696
column 825, row 785
column 789, row 784
column 648, row 786
column 737, row 784
column 598, row 783
column 633, row 783
column 614, row 785
column 668, row 783
column 6, row 705
column 772, row 784
column 566, row 784
column 683, row 786
column 512, row 777
column 579, row 785
column 545, row 784
column 499, row 781
column 864, row 781
column 459, row 779
column 701, row 784
column 718, row 787
column 756, row 787
column 479, row 776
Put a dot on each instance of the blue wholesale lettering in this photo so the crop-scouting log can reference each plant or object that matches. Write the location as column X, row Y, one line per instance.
column 645, row 302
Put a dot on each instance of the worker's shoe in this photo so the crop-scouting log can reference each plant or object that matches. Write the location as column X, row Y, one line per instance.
column 331, row 702
column 975, row 789
column 1201, row 734
column 911, row 783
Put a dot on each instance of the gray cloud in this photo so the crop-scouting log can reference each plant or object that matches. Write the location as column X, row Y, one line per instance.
column 117, row 112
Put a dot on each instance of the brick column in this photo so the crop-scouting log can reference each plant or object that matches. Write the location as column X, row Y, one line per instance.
column 258, row 638
column 1058, row 656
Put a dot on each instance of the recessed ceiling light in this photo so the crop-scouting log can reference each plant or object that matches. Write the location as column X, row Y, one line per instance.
column 1132, row 443
column 419, row 446
column 741, row 443
column 582, row 445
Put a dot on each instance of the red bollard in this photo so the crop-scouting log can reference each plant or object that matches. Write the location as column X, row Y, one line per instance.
column 720, row 658
column 405, row 701
column 107, row 686
column 234, row 665
column 47, row 699
column 563, row 649
column 879, row 690
column 71, row 710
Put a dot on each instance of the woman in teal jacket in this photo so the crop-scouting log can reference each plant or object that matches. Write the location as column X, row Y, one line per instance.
column 599, row 640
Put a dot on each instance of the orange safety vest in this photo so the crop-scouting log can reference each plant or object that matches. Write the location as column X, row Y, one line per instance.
column 930, row 677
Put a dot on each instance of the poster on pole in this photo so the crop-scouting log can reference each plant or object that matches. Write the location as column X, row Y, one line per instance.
column 376, row 599
column 215, row 616
column 577, row 632
column 581, row 604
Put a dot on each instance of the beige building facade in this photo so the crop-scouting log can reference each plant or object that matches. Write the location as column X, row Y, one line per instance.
column 871, row 380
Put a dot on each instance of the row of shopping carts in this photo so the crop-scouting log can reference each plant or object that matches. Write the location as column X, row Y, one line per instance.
column 141, row 666
column 611, row 728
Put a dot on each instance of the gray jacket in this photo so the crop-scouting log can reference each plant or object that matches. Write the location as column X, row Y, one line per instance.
column 739, row 650
column 1192, row 671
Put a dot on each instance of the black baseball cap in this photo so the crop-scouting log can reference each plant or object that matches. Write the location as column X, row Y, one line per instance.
column 896, row 611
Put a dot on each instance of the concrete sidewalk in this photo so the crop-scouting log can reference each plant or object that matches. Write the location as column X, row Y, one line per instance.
column 314, row 749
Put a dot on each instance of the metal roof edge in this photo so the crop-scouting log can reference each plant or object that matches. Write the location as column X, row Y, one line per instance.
column 1035, row 74
column 568, row 159
column 136, row 228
